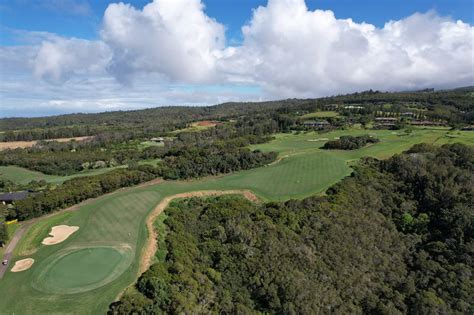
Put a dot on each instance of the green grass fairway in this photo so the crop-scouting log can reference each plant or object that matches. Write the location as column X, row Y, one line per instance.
column 23, row 176
column 71, row 277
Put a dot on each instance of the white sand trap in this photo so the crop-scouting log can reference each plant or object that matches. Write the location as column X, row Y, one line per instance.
column 59, row 234
column 22, row 265
column 319, row 139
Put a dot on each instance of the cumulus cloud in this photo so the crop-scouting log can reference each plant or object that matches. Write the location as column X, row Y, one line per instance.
column 56, row 61
column 173, row 38
column 287, row 51
column 292, row 51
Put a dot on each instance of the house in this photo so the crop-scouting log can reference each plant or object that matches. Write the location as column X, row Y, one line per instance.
column 158, row 139
column 9, row 198
column 320, row 124
column 385, row 121
column 353, row 107
column 427, row 123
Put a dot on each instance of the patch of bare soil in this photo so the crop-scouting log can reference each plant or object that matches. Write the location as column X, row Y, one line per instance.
column 151, row 244
column 59, row 234
column 28, row 144
column 22, row 265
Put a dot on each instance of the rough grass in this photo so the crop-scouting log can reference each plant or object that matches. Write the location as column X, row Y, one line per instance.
column 11, row 229
column 32, row 239
column 147, row 144
column 118, row 219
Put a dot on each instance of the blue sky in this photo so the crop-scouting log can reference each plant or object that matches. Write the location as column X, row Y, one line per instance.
column 65, row 19
column 51, row 49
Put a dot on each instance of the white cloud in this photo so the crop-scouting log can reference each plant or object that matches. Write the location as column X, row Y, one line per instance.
column 56, row 61
column 292, row 51
column 172, row 38
column 287, row 51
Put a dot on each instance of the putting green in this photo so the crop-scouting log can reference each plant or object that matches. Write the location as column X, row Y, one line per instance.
column 83, row 269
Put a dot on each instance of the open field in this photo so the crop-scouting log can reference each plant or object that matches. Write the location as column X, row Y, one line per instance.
column 20, row 175
column 325, row 114
column 197, row 126
column 113, row 228
column 28, row 144
column 147, row 144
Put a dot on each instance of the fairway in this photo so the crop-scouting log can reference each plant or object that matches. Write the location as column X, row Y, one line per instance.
column 22, row 176
column 87, row 272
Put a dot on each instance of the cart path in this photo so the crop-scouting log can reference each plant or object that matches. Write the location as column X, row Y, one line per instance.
column 11, row 247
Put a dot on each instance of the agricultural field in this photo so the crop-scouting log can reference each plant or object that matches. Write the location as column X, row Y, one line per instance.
column 85, row 273
column 197, row 126
column 29, row 144
column 22, row 176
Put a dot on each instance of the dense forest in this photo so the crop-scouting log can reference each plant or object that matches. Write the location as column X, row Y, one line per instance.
column 396, row 237
column 349, row 142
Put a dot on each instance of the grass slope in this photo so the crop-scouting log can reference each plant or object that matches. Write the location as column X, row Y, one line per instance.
column 118, row 220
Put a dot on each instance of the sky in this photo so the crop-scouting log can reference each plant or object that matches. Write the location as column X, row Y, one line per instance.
column 67, row 56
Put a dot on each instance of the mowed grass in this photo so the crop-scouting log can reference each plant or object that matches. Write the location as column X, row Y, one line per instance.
column 114, row 221
column 325, row 114
column 117, row 221
column 23, row 176
column 35, row 235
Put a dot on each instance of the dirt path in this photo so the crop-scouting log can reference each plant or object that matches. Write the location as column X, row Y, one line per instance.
column 151, row 245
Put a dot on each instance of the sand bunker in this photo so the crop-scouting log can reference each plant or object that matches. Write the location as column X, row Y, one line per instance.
column 22, row 265
column 59, row 234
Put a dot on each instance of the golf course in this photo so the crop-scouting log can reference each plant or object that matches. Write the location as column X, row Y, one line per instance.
column 20, row 175
column 105, row 254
